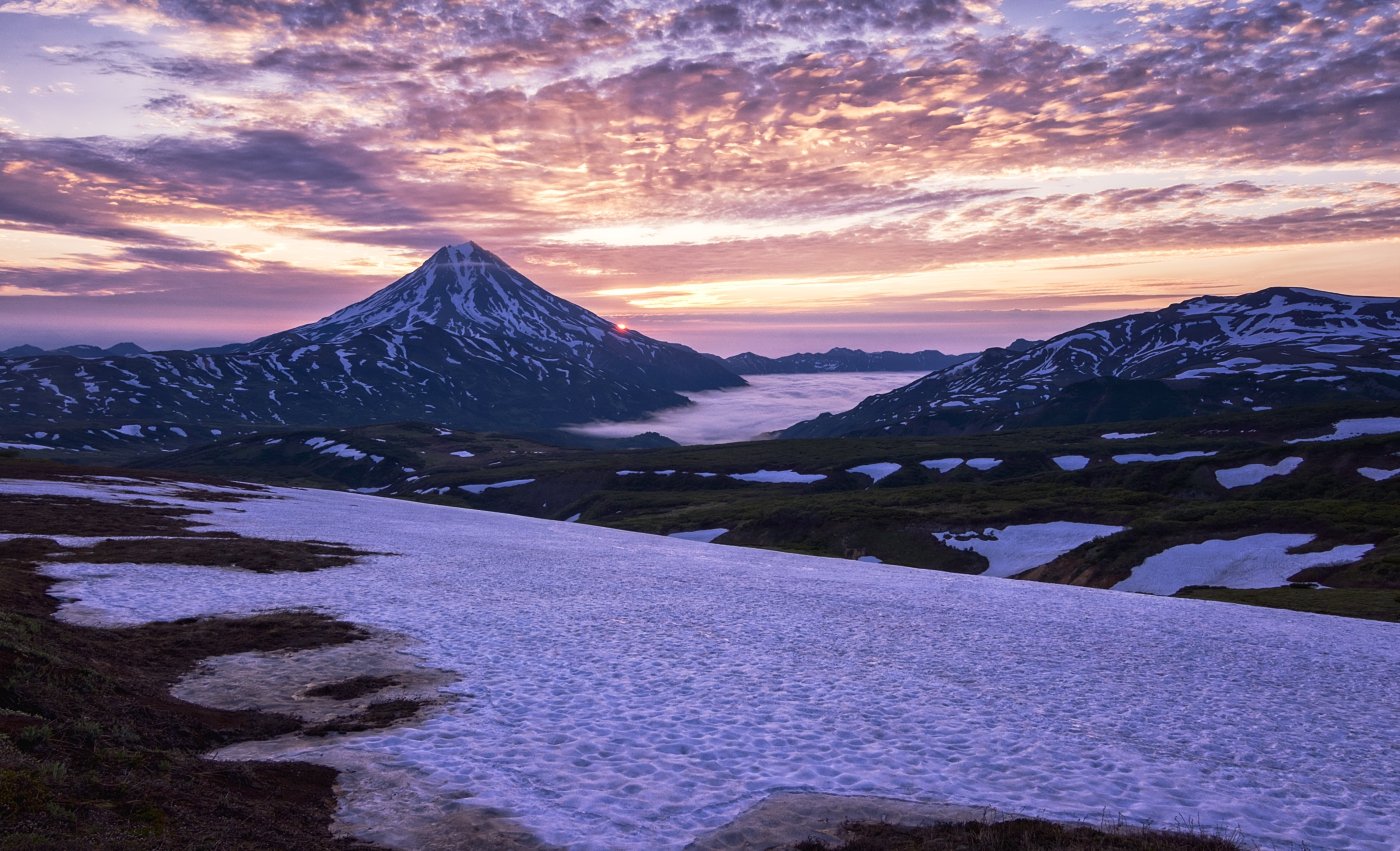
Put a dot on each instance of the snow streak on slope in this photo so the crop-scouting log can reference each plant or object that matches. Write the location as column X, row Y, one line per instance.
column 629, row 691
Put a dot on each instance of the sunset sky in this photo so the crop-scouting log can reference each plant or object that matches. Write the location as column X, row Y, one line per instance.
column 775, row 175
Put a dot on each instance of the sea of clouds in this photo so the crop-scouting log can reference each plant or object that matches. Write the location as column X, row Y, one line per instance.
column 769, row 403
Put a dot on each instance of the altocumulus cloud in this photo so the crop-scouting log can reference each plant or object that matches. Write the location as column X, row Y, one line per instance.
column 806, row 136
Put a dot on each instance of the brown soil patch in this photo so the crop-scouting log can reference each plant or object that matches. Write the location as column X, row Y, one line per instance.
column 50, row 470
column 353, row 687
column 375, row 716
column 255, row 554
column 1015, row 835
column 69, row 515
column 95, row 753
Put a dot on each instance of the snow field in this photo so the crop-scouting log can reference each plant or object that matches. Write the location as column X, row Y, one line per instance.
column 702, row 535
column 513, row 483
column 1253, row 474
column 1254, row 561
column 778, row 477
column 1376, row 474
column 326, row 446
column 1016, row 549
column 1149, row 457
column 942, row 465
column 1347, row 429
column 627, row 691
column 1071, row 462
column 1126, row 435
column 876, row 472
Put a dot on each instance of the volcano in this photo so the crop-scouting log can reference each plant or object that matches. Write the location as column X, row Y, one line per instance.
column 463, row 340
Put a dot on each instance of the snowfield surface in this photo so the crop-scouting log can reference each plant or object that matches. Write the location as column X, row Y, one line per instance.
column 704, row 536
column 1254, row 561
column 1017, row 549
column 1347, row 429
column 1071, row 462
column 1126, row 435
column 1253, row 474
column 513, row 483
column 942, row 465
column 627, row 691
column 1149, row 457
column 778, row 477
column 1377, row 474
column 876, row 472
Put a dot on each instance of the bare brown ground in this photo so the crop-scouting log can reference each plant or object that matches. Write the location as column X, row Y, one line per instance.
column 1015, row 835
column 94, row 751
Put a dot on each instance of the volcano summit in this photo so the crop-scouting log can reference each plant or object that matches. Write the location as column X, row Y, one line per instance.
column 463, row 340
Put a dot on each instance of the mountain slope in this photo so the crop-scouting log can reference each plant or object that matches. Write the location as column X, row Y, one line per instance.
column 1272, row 348
column 463, row 340
column 842, row 360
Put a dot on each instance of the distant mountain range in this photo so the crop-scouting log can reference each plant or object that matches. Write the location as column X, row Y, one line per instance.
column 1269, row 349
column 79, row 351
column 464, row 340
column 841, row 360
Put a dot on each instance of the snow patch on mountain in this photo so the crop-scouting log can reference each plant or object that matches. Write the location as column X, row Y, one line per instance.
column 1363, row 427
column 1253, row 474
column 1377, row 474
column 1071, row 462
column 774, row 477
column 1016, row 549
column 1254, row 561
column 877, row 471
column 942, row 465
column 703, row 535
column 478, row 489
column 1152, row 457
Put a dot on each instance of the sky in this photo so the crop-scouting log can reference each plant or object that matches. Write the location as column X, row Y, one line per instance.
column 772, row 175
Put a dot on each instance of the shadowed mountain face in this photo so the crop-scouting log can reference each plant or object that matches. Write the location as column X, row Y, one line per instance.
column 463, row 340
column 1269, row 349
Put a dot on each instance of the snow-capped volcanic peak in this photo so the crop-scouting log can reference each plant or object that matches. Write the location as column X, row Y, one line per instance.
column 463, row 290
column 463, row 340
